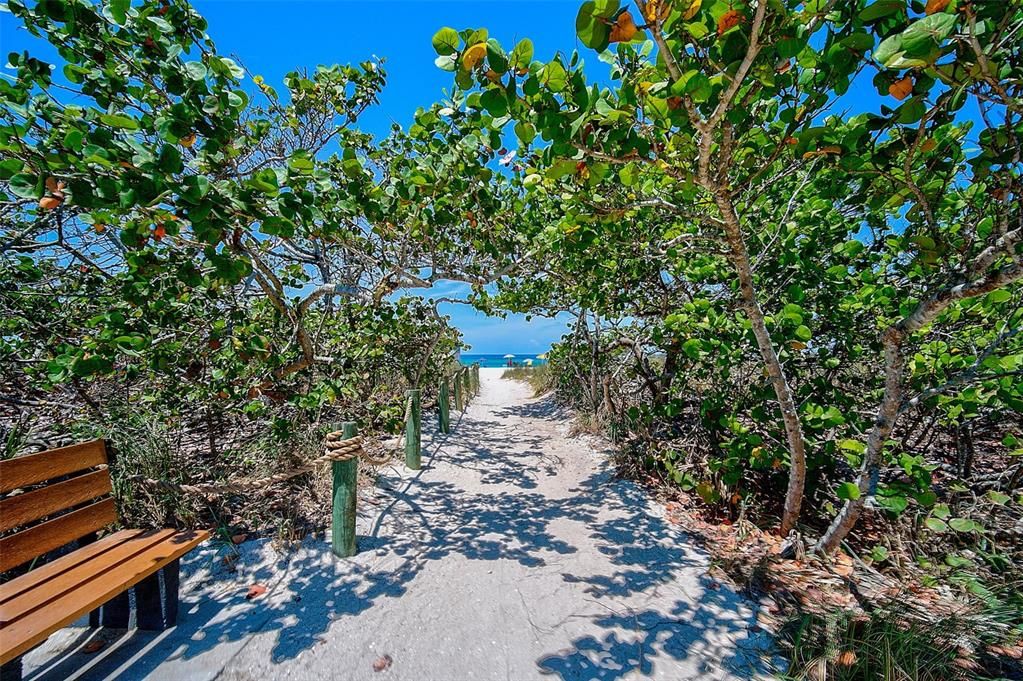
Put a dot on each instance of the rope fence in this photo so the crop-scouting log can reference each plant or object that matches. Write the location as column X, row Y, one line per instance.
column 343, row 449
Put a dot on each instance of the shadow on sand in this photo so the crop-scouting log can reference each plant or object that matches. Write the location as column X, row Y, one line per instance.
column 423, row 520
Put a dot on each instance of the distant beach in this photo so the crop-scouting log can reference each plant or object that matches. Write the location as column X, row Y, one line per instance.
column 500, row 360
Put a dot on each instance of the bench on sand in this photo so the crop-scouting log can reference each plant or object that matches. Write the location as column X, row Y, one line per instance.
column 50, row 499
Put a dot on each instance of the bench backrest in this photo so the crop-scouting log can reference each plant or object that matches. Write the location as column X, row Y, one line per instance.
column 48, row 515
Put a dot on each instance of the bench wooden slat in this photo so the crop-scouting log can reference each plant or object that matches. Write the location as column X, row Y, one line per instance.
column 25, row 632
column 25, row 545
column 95, row 568
column 31, row 469
column 24, row 508
column 33, row 578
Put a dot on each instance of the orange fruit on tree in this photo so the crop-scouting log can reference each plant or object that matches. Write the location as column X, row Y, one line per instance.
column 729, row 20
column 624, row 28
column 50, row 202
column 473, row 55
column 901, row 88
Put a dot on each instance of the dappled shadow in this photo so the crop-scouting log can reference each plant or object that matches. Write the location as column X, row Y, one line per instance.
column 636, row 640
column 510, row 515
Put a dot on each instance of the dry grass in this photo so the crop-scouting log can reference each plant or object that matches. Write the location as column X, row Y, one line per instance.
column 538, row 377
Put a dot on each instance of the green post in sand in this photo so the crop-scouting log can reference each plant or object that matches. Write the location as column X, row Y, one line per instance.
column 467, row 384
column 457, row 385
column 444, row 408
column 346, row 475
column 476, row 378
column 413, row 433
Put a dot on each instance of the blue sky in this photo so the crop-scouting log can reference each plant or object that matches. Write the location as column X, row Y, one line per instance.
column 273, row 37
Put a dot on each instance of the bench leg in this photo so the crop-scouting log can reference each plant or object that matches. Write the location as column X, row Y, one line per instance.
column 11, row 671
column 115, row 613
column 156, row 599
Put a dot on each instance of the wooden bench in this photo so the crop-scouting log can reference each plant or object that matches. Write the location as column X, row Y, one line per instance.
column 50, row 499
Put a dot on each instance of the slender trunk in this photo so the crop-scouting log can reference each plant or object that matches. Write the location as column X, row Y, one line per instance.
column 888, row 411
column 609, row 405
column 964, row 436
column 870, row 469
column 739, row 256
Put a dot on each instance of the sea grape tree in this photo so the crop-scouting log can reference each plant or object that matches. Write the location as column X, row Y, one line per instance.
column 721, row 131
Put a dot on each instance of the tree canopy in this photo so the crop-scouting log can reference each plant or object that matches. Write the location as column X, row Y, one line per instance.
column 775, row 295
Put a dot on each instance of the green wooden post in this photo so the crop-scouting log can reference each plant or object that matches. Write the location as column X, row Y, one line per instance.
column 467, row 385
column 457, row 384
column 476, row 378
column 444, row 408
column 413, row 433
column 346, row 475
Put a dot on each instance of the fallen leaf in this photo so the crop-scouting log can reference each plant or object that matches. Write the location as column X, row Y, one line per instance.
column 255, row 591
column 94, row 646
column 1015, row 652
column 239, row 538
column 382, row 663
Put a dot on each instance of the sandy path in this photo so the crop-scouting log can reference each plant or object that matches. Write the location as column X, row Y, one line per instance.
column 513, row 554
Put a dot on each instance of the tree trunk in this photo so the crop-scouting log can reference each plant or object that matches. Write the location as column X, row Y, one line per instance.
column 786, row 403
column 888, row 411
column 870, row 469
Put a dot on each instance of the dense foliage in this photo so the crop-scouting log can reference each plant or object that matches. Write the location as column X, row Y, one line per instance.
column 184, row 241
column 778, row 299
column 790, row 233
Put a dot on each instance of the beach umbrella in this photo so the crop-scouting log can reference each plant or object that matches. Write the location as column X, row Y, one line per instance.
column 509, row 356
column 543, row 356
column 529, row 362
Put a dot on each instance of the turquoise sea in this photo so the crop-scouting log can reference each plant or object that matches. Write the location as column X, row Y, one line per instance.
column 499, row 360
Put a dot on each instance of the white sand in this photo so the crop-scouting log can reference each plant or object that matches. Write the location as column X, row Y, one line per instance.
column 513, row 554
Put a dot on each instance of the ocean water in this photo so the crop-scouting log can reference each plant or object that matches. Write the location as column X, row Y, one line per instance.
column 499, row 360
